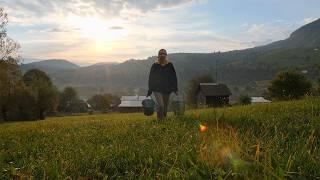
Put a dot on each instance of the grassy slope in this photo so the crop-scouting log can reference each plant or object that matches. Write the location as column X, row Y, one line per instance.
column 276, row 141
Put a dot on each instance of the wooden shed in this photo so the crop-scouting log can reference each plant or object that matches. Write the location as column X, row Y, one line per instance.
column 212, row 95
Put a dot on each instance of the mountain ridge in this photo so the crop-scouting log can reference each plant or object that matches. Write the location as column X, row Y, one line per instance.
column 236, row 68
column 50, row 66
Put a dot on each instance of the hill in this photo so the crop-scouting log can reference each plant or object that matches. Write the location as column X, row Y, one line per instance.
column 50, row 66
column 240, row 69
column 306, row 36
column 272, row 141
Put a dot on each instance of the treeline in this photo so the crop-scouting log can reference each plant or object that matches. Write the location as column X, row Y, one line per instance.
column 32, row 95
column 286, row 85
column 69, row 102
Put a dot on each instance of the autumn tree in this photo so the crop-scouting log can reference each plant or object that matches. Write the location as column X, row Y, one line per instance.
column 44, row 93
column 10, row 82
column 10, row 75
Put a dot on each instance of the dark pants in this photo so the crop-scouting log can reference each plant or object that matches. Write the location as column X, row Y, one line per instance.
column 162, row 101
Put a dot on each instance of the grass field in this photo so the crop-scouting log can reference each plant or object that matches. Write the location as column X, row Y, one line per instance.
column 273, row 141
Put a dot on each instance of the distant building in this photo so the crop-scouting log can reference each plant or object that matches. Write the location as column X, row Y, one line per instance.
column 212, row 95
column 131, row 103
column 259, row 100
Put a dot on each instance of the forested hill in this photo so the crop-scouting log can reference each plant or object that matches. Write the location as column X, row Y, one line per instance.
column 241, row 68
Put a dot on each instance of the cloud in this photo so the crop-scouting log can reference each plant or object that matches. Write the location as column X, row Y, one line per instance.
column 50, row 33
column 59, row 29
column 261, row 34
column 257, row 29
column 264, row 33
column 116, row 28
column 308, row 20
column 26, row 11
column 91, row 31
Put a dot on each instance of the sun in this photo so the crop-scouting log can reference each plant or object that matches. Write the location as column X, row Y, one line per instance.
column 97, row 29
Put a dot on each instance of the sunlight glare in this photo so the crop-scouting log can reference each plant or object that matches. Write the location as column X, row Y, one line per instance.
column 98, row 29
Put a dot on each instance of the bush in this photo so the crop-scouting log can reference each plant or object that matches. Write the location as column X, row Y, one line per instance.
column 245, row 99
column 289, row 85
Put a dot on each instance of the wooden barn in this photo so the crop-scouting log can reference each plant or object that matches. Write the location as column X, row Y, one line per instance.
column 131, row 103
column 212, row 95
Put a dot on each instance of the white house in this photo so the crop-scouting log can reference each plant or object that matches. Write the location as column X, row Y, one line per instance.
column 258, row 100
column 131, row 103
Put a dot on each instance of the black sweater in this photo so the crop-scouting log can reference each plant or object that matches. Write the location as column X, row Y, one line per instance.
column 162, row 79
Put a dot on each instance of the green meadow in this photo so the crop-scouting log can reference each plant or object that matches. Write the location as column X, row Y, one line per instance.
column 271, row 141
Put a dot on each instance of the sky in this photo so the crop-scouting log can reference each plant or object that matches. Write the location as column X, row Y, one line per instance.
column 92, row 31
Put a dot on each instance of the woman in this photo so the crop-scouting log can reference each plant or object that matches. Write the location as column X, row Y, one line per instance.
column 162, row 82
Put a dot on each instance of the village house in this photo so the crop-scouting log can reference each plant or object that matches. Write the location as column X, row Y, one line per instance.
column 212, row 95
column 259, row 100
column 131, row 103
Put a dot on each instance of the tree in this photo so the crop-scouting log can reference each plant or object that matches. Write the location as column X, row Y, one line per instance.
column 68, row 100
column 318, row 86
column 35, row 76
column 44, row 93
column 289, row 85
column 24, row 103
column 10, row 74
column 10, row 82
column 318, row 80
column 245, row 99
column 8, row 47
column 193, row 86
column 16, row 102
column 100, row 102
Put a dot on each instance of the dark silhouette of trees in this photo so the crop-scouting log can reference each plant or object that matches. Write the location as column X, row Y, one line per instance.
column 101, row 102
column 45, row 95
column 69, row 102
column 289, row 85
column 10, row 84
column 24, row 97
column 245, row 99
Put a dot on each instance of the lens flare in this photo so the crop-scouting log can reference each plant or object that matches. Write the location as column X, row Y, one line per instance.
column 203, row 128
